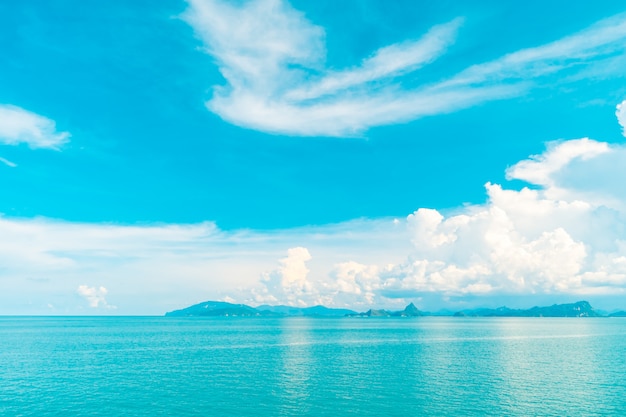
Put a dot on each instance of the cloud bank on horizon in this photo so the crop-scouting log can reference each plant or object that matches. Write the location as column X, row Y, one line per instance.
column 560, row 237
column 273, row 61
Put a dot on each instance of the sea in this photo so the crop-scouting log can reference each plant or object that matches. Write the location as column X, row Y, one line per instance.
column 230, row 366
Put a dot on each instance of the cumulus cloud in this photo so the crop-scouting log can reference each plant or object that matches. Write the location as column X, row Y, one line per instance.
column 524, row 241
column 95, row 296
column 21, row 126
column 288, row 283
column 348, row 284
column 519, row 242
column 554, row 239
column 564, row 234
column 156, row 268
column 354, row 284
column 621, row 116
column 498, row 248
column 273, row 61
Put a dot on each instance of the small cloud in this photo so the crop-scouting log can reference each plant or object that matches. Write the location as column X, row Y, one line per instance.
column 539, row 169
column 7, row 162
column 94, row 296
column 21, row 126
column 620, row 112
column 229, row 299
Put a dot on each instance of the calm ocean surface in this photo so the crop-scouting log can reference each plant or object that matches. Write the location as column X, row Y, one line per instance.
column 157, row 366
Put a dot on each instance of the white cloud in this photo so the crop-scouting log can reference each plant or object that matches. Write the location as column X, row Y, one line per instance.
column 21, row 126
column 564, row 236
column 288, row 283
column 155, row 268
column 387, row 62
column 94, row 296
column 519, row 242
column 540, row 168
column 620, row 112
column 273, row 61
column 557, row 239
column 595, row 46
column 354, row 284
column 8, row 163
column 531, row 241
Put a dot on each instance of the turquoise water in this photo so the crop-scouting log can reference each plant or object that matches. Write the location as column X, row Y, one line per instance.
column 312, row 367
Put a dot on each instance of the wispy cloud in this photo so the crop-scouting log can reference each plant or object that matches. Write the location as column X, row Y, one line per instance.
column 22, row 126
column 539, row 169
column 7, row 162
column 390, row 61
column 620, row 112
column 592, row 46
column 273, row 60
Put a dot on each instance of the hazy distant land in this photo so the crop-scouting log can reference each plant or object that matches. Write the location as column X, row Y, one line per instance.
column 224, row 309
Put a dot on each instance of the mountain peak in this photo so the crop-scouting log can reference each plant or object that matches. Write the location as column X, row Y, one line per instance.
column 411, row 310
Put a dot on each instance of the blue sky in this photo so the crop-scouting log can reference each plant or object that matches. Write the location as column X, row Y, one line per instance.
column 156, row 155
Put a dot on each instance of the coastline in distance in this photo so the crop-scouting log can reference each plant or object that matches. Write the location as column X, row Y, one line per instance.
column 224, row 309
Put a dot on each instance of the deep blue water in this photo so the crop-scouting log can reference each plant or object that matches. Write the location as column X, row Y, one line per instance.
column 157, row 366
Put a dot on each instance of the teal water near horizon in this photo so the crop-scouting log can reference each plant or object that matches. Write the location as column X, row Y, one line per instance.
column 433, row 366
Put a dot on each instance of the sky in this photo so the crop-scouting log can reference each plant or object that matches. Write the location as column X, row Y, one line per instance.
column 353, row 154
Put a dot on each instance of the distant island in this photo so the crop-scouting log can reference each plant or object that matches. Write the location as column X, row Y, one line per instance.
column 578, row 309
column 224, row 309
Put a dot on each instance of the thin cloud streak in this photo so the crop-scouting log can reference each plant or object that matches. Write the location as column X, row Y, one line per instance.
column 8, row 163
column 273, row 60
column 390, row 61
column 601, row 41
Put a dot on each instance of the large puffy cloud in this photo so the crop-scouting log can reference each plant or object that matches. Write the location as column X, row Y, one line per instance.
column 518, row 243
column 288, row 284
column 22, row 126
column 529, row 241
column 273, row 61
column 354, row 284
column 565, row 236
